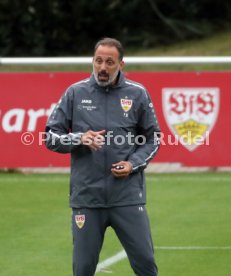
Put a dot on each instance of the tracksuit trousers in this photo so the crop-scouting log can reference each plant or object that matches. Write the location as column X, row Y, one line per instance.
column 131, row 226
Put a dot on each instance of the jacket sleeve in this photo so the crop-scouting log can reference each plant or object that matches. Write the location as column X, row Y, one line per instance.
column 59, row 137
column 148, row 128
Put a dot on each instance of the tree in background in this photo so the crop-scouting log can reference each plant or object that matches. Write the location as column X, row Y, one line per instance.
column 67, row 28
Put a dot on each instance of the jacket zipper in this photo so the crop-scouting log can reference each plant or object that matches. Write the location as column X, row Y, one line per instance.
column 105, row 152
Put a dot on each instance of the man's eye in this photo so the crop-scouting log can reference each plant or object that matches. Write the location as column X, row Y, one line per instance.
column 110, row 62
column 99, row 61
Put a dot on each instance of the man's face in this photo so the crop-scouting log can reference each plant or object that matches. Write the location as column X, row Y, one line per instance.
column 106, row 65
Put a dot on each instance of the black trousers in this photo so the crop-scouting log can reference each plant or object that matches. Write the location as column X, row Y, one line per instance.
column 131, row 226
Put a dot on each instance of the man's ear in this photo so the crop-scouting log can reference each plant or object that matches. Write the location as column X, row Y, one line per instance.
column 121, row 64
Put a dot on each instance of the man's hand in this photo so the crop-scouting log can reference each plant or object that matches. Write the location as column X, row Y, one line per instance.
column 93, row 139
column 121, row 169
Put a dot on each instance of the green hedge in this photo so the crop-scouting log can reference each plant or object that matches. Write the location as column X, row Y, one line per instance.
column 62, row 28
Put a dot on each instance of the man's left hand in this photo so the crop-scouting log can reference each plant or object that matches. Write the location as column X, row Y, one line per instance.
column 121, row 169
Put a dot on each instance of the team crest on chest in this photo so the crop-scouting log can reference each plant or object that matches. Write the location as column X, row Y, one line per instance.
column 80, row 220
column 126, row 104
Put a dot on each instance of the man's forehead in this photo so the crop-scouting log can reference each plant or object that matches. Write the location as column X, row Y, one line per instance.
column 107, row 52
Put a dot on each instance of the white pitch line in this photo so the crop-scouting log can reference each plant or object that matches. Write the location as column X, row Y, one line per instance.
column 102, row 267
column 112, row 260
column 40, row 178
column 193, row 247
column 190, row 178
column 30, row 179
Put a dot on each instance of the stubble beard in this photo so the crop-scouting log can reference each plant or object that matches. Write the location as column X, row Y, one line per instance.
column 110, row 79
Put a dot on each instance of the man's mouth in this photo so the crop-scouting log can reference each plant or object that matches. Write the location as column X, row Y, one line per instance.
column 103, row 76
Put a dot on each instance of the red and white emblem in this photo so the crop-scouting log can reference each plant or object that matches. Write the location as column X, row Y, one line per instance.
column 126, row 104
column 190, row 113
column 80, row 220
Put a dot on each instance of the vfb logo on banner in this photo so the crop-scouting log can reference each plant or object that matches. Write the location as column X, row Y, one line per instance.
column 190, row 113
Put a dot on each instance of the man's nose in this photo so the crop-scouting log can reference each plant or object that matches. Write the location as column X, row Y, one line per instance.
column 103, row 66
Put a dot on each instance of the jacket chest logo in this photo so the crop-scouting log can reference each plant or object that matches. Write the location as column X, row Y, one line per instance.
column 86, row 104
column 126, row 104
column 86, row 101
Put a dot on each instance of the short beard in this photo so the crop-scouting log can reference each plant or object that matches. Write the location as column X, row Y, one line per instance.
column 110, row 80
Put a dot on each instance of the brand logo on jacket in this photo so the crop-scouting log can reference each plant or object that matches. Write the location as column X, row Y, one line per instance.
column 126, row 104
column 86, row 104
column 80, row 220
column 191, row 113
column 86, row 101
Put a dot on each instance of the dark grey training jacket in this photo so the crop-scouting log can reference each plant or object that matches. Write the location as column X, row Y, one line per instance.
column 124, row 111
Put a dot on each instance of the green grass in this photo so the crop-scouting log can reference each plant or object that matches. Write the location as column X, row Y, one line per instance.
column 215, row 45
column 184, row 210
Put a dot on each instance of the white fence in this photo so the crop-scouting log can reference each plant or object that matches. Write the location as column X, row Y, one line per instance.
column 128, row 60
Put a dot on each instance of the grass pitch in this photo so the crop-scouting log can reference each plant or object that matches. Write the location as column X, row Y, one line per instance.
column 189, row 214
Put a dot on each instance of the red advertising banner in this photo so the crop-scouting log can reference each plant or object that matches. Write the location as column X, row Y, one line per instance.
column 192, row 108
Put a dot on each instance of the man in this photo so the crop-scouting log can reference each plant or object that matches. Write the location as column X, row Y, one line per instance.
column 109, row 126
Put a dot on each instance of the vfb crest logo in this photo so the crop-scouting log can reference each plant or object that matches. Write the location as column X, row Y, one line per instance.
column 80, row 221
column 126, row 104
column 190, row 113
